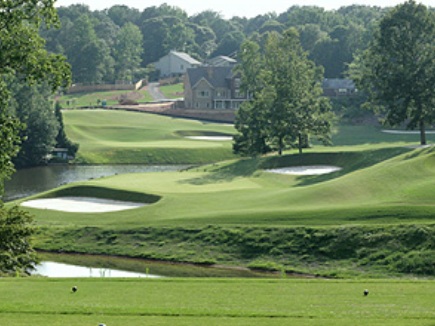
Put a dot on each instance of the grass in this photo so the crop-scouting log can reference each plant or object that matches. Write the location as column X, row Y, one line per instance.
column 205, row 215
column 92, row 99
column 234, row 212
column 173, row 91
column 396, row 190
column 112, row 137
column 215, row 302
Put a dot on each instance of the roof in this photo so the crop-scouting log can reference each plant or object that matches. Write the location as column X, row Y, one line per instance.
column 185, row 57
column 216, row 61
column 336, row 83
column 216, row 76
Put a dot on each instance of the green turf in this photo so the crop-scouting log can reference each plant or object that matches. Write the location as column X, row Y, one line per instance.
column 173, row 91
column 366, row 191
column 112, row 137
column 383, row 185
column 215, row 302
column 92, row 99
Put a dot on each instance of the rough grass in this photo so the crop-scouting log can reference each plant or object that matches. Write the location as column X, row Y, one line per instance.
column 92, row 99
column 173, row 91
column 215, row 302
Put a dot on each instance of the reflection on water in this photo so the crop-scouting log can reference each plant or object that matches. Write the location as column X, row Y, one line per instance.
column 31, row 181
column 52, row 269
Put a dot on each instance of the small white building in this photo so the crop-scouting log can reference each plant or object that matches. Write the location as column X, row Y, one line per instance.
column 175, row 64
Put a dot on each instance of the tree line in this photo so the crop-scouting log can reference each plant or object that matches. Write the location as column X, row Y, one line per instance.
column 121, row 43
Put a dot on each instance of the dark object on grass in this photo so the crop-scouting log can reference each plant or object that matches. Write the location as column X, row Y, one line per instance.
column 74, row 289
column 366, row 292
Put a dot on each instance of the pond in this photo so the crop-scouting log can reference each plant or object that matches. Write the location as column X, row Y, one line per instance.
column 53, row 269
column 83, row 265
column 27, row 182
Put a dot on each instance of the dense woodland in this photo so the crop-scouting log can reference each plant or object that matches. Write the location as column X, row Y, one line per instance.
column 121, row 43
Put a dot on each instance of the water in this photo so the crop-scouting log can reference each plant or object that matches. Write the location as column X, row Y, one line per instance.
column 31, row 181
column 53, row 269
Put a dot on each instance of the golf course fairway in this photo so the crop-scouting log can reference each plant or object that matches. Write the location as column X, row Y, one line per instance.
column 215, row 302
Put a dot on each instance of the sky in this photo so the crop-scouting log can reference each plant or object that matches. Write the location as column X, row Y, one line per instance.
column 241, row 8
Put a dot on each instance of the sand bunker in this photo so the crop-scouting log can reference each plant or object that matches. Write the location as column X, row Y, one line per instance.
column 306, row 170
column 212, row 138
column 81, row 204
column 406, row 132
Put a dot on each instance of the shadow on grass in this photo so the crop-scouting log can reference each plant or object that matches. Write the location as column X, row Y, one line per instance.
column 420, row 151
column 347, row 161
column 241, row 168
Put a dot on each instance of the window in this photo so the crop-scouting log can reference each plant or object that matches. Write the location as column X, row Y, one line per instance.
column 203, row 93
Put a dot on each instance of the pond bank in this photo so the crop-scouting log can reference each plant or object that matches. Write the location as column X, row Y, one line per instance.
column 150, row 267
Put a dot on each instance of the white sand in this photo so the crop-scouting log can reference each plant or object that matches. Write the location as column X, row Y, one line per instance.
column 406, row 132
column 306, row 170
column 212, row 138
column 81, row 204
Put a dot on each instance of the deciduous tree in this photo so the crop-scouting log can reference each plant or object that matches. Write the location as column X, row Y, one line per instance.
column 285, row 96
column 398, row 69
column 22, row 53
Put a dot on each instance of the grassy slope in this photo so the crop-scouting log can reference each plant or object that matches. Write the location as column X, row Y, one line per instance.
column 215, row 302
column 173, row 91
column 126, row 137
column 381, row 183
column 396, row 190
column 380, row 203
column 89, row 99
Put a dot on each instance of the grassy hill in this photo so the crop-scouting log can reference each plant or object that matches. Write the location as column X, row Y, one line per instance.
column 357, row 221
column 371, row 220
column 398, row 189
column 113, row 137
column 374, row 217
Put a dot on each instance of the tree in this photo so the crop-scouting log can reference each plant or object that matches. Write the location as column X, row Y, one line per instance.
column 62, row 140
column 34, row 109
column 229, row 44
column 22, row 53
column 286, row 105
column 88, row 54
column 127, row 52
column 168, row 33
column 16, row 253
column 397, row 71
column 121, row 15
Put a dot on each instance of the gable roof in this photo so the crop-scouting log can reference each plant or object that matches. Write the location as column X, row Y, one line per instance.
column 222, row 60
column 216, row 76
column 185, row 57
